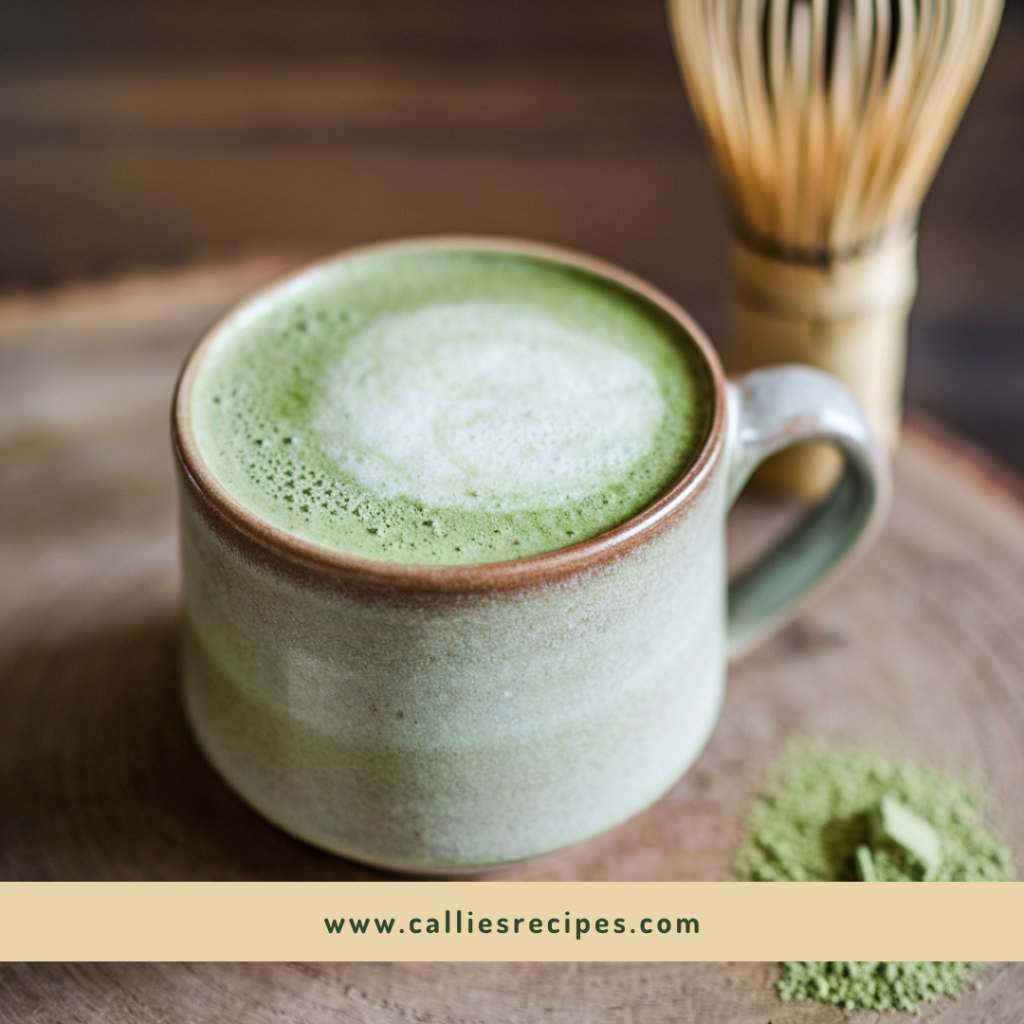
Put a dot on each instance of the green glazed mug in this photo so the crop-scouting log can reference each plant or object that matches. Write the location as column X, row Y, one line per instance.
column 445, row 718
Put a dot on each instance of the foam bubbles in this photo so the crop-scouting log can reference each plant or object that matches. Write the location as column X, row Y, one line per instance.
column 448, row 408
column 485, row 406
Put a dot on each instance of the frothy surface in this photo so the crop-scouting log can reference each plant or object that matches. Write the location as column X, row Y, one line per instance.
column 449, row 407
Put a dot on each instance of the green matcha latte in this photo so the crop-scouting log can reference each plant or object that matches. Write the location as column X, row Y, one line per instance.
column 449, row 406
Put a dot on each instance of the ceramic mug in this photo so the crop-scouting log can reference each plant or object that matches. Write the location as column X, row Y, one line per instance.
column 439, row 718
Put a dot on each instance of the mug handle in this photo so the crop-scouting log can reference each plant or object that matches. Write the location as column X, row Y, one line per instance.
column 771, row 409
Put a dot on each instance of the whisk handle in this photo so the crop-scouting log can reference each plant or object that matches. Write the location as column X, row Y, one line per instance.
column 773, row 409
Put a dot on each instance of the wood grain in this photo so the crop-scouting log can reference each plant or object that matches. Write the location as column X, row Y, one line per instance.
column 918, row 649
column 444, row 993
column 140, row 134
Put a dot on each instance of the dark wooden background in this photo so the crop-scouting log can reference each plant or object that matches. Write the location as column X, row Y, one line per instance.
column 141, row 134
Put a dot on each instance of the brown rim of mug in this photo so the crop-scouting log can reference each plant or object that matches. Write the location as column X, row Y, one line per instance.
column 270, row 543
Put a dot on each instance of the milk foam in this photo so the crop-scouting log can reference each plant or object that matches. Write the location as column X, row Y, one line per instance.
column 486, row 406
column 449, row 407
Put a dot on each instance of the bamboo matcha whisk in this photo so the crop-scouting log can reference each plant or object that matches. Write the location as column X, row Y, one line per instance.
column 827, row 120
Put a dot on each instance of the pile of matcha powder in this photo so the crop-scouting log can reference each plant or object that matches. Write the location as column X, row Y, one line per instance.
column 834, row 814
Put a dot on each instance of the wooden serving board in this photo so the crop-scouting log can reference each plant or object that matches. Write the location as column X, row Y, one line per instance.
column 919, row 649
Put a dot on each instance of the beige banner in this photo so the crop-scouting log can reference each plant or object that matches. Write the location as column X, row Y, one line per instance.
column 510, row 921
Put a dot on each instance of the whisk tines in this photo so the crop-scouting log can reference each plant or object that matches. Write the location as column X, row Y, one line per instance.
column 828, row 118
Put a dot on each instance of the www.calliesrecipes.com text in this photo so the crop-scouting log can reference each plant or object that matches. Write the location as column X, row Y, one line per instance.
column 463, row 923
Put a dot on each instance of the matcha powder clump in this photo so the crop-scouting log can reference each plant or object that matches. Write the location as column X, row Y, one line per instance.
column 836, row 814
column 822, row 803
column 863, row 985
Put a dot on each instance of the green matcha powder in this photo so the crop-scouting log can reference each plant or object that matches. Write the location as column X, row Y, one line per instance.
column 834, row 814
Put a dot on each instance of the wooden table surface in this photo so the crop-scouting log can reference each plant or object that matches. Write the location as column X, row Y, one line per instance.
column 918, row 649
column 443, row 993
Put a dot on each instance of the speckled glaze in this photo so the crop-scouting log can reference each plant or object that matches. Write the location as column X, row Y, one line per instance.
column 440, row 718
